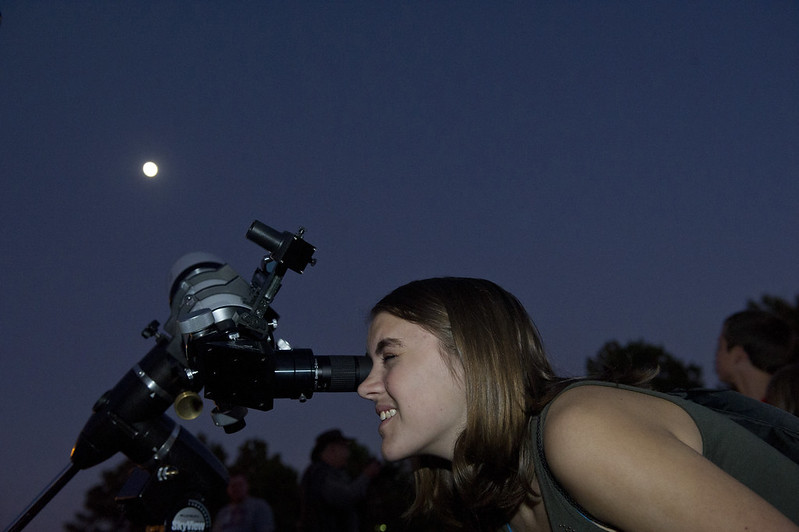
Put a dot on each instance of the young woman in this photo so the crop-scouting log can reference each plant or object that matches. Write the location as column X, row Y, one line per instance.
column 461, row 382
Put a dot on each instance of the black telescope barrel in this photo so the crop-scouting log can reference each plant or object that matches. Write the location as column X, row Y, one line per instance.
column 299, row 372
column 341, row 373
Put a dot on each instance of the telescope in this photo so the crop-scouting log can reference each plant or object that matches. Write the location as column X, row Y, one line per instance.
column 219, row 339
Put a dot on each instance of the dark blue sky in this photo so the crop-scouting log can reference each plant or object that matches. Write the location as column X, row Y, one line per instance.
column 629, row 170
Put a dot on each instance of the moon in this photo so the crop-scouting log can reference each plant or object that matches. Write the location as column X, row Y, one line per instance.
column 150, row 169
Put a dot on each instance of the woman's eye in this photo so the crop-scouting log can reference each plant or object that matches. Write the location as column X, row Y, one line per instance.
column 386, row 358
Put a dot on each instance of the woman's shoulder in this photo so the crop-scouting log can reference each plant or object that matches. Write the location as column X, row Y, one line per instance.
column 599, row 395
column 595, row 397
column 593, row 413
column 581, row 407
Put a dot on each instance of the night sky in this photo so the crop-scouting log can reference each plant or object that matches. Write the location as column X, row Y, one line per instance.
column 630, row 170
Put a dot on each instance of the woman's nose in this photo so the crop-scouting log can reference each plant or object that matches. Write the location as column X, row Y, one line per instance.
column 370, row 384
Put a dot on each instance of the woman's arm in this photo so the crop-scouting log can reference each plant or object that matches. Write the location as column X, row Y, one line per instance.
column 634, row 462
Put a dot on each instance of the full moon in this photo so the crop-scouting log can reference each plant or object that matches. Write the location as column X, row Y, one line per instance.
column 150, row 169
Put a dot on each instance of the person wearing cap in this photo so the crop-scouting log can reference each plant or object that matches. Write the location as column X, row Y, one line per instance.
column 330, row 495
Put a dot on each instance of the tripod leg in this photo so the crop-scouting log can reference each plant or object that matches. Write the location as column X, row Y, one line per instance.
column 44, row 497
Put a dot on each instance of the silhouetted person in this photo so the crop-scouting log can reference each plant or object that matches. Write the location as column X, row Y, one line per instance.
column 752, row 346
column 330, row 495
column 244, row 513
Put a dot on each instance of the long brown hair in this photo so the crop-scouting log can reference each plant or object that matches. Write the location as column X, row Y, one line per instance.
column 508, row 380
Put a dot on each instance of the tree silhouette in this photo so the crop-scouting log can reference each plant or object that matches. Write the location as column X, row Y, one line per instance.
column 101, row 512
column 270, row 479
column 638, row 355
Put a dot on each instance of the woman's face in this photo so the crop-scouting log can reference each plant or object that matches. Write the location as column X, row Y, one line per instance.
column 419, row 397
